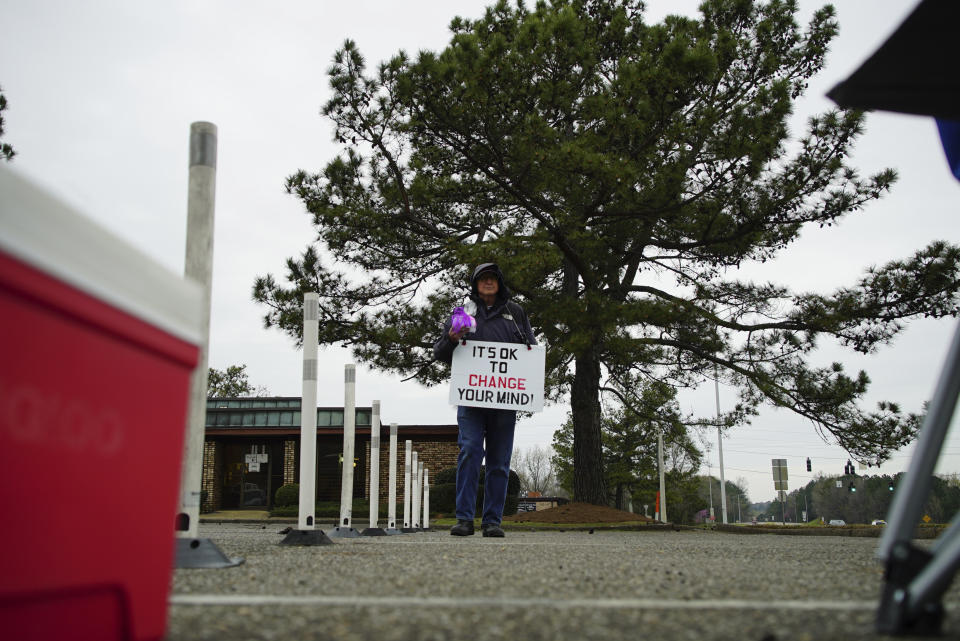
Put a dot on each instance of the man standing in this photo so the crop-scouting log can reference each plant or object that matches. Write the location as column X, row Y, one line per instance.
column 498, row 320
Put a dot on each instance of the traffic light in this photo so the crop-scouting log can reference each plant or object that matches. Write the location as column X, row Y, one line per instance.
column 849, row 468
column 809, row 465
column 853, row 488
column 890, row 486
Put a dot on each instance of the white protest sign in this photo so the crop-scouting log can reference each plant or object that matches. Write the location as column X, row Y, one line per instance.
column 498, row 375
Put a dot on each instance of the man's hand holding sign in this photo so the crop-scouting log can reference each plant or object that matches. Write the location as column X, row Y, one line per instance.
column 498, row 375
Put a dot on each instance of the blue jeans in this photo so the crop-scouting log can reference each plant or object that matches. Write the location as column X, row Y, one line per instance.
column 496, row 427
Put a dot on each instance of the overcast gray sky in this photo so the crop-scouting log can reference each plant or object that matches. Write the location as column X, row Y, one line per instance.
column 102, row 94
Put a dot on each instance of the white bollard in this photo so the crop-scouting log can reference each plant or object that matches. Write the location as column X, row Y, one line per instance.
column 406, row 484
column 306, row 532
column 375, row 465
column 374, row 529
column 308, row 414
column 420, row 495
column 415, row 490
column 198, row 267
column 344, row 529
column 392, row 483
column 426, row 499
column 191, row 552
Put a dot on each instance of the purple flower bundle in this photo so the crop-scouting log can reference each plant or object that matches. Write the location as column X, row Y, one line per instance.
column 461, row 320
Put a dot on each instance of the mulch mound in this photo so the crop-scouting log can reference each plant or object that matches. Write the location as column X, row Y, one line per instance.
column 578, row 513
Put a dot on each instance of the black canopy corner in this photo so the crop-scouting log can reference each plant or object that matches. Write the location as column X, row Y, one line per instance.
column 915, row 71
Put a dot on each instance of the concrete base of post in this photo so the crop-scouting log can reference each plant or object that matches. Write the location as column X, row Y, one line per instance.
column 306, row 537
column 343, row 533
column 374, row 531
column 392, row 531
column 410, row 530
column 201, row 553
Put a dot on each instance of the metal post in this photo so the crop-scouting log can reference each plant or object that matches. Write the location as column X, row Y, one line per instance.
column 914, row 485
column 306, row 534
column 663, row 491
column 192, row 552
column 374, row 529
column 406, row 485
column 344, row 528
column 916, row 579
column 415, row 493
column 392, row 483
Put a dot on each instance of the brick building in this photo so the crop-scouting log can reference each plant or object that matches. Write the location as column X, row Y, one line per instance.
column 252, row 447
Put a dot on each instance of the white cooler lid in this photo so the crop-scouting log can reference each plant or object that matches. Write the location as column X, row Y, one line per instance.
column 54, row 238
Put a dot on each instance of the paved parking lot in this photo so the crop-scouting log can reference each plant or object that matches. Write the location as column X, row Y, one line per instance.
column 535, row 585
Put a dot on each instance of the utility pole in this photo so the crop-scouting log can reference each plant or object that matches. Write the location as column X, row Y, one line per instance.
column 663, row 487
column 710, row 490
column 723, row 481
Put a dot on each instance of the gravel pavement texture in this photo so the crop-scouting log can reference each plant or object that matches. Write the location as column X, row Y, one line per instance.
column 692, row 584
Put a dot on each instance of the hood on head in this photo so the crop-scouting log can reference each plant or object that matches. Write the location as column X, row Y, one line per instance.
column 503, row 292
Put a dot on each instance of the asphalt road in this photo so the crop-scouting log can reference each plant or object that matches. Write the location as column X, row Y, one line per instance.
column 535, row 585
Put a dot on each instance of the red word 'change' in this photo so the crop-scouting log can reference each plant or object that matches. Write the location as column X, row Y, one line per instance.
column 502, row 382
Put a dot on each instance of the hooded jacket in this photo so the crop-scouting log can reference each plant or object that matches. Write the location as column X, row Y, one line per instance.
column 503, row 322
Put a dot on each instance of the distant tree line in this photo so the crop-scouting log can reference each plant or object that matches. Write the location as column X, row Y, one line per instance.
column 859, row 499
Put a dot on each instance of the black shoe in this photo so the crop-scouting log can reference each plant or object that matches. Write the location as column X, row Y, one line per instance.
column 463, row 528
column 492, row 529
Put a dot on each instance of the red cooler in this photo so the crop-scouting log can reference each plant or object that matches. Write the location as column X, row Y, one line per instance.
column 97, row 344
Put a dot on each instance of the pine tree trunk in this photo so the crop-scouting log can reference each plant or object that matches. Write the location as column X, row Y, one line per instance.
column 589, row 483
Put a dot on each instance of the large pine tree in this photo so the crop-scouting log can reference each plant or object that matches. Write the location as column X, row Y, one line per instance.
column 620, row 173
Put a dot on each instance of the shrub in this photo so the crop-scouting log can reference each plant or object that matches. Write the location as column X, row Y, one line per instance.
column 287, row 495
column 443, row 493
column 285, row 510
column 443, row 498
column 360, row 509
column 448, row 475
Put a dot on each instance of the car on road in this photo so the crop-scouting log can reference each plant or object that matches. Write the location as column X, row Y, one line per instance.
column 878, row 522
column 837, row 522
